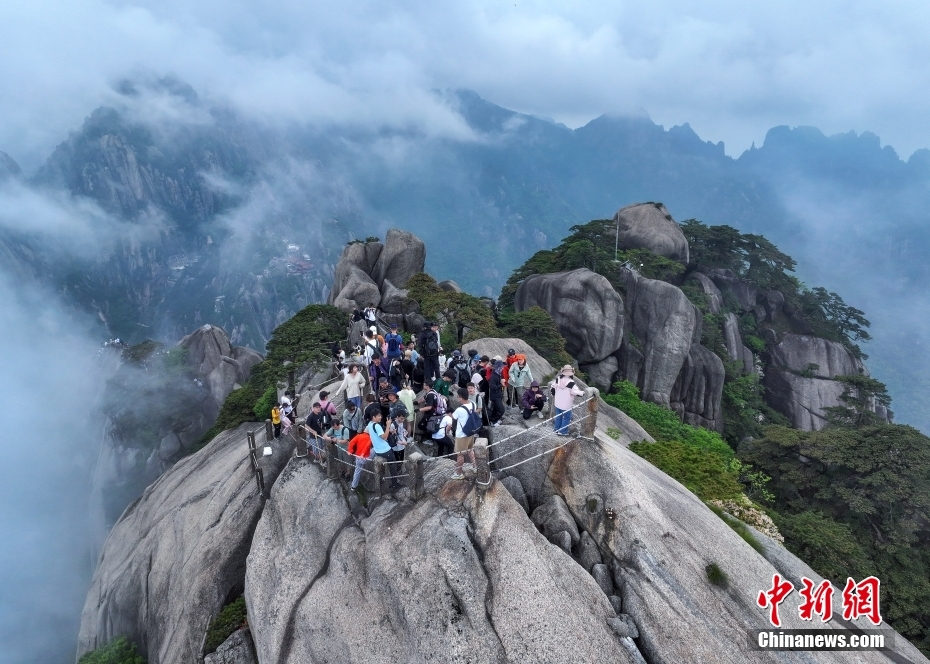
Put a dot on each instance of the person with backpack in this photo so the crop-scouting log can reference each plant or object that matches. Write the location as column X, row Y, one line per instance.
column 327, row 408
column 371, row 315
column 563, row 391
column 442, row 437
column 353, row 385
column 533, row 400
column 379, row 443
column 473, row 360
column 430, row 348
column 518, row 380
column 316, row 426
column 433, row 407
column 477, row 400
column 444, row 384
column 395, row 344
column 459, row 365
column 372, row 348
column 397, row 375
column 496, row 386
column 467, row 424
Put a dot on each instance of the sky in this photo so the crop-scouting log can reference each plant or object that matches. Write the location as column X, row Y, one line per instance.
column 731, row 69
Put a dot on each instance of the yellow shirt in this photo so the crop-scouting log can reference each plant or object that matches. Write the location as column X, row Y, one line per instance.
column 275, row 416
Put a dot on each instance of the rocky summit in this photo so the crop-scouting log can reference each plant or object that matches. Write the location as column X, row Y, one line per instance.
column 548, row 549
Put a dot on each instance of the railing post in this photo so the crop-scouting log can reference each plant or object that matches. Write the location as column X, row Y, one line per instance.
column 332, row 470
column 269, row 431
column 378, row 467
column 482, row 467
column 301, row 441
column 414, row 463
column 589, row 424
column 260, row 480
column 250, row 438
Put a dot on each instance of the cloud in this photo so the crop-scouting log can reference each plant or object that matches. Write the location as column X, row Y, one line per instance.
column 731, row 69
column 49, row 380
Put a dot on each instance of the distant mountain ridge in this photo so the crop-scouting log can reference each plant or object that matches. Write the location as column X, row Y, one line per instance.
column 849, row 210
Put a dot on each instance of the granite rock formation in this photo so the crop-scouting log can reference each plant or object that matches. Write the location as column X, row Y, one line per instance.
column 650, row 226
column 586, row 309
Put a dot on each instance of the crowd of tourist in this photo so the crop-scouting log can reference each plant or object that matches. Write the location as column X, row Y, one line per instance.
column 398, row 391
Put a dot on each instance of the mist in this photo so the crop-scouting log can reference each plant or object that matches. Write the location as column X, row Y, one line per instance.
column 49, row 382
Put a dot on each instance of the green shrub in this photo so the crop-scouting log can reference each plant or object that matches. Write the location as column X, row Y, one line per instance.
column 701, row 472
column 536, row 327
column 118, row 651
column 663, row 424
column 462, row 317
column 232, row 617
column 716, row 575
column 265, row 403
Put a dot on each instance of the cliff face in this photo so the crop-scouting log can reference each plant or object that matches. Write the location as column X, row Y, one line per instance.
column 590, row 554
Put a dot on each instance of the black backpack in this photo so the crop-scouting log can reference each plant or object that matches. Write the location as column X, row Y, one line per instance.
column 431, row 346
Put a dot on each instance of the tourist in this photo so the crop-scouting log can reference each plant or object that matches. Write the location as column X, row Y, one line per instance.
column 397, row 375
column 407, row 397
column 518, row 380
column 352, row 418
column 496, row 386
column 376, row 371
column 401, row 436
column 442, row 438
column 394, row 344
column 379, row 443
column 316, row 426
column 384, row 390
column 564, row 390
column 476, row 399
column 464, row 440
column 338, row 434
column 444, row 384
column 276, row 419
column 533, row 400
column 328, row 408
column 430, row 348
column 360, row 448
column 353, row 385
column 418, row 377
column 434, row 406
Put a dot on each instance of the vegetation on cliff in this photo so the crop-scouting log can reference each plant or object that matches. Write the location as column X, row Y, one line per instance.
column 306, row 338
column 117, row 651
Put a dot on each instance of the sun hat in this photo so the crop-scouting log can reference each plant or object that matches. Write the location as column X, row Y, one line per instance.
column 567, row 370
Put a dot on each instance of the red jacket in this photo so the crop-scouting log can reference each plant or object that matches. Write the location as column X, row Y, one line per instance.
column 360, row 445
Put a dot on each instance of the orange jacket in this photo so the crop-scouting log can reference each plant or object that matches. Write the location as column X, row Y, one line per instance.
column 360, row 445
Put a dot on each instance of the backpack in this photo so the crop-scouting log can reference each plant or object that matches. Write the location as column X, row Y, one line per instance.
column 441, row 404
column 431, row 347
column 472, row 423
column 375, row 349
column 393, row 344
column 433, row 424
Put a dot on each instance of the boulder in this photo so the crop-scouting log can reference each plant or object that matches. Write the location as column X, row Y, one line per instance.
column 603, row 578
column 709, row 288
column 451, row 286
column 698, row 391
column 394, row 300
column 734, row 344
column 586, row 309
column 552, row 517
column 513, row 486
column 358, row 291
column 588, row 554
column 247, row 358
column 733, row 288
column 176, row 553
column 403, row 256
column 659, row 336
column 472, row 572
column 650, row 226
column 602, row 374
column 237, row 649
column 206, row 347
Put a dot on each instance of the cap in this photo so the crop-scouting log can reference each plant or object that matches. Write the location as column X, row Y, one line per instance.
column 498, row 358
column 472, row 352
column 511, row 351
column 568, row 370
column 393, row 326
column 373, row 329
column 535, row 383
